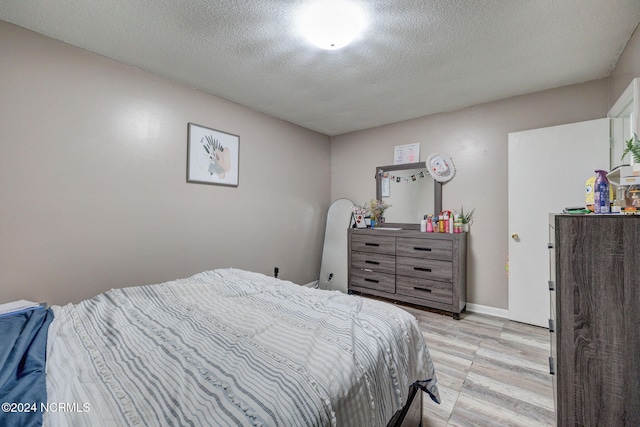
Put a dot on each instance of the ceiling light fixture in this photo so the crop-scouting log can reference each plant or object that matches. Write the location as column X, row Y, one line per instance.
column 332, row 24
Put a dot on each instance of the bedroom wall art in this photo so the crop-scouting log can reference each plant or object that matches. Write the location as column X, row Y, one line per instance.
column 408, row 153
column 212, row 156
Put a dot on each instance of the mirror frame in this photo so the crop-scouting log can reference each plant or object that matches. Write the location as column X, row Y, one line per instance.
column 437, row 190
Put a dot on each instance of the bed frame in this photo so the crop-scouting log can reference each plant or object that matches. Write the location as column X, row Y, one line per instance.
column 411, row 414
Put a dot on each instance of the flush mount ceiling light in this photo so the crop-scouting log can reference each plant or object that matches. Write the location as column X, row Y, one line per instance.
column 332, row 24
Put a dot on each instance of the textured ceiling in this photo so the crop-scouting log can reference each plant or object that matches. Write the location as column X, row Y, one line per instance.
column 416, row 57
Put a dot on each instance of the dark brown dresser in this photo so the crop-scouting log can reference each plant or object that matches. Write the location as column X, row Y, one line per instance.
column 426, row 269
column 595, row 324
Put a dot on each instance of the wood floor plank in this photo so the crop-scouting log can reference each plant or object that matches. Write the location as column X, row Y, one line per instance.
column 471, row 411
column 491, row 371
column 498, row 385
column 448, row 398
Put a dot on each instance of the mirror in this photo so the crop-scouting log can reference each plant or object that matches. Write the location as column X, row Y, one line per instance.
column 411, row 192
column 624, row 124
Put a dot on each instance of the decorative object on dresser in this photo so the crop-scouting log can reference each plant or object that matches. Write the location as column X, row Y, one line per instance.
column 595, row 338
column 426, row 269
column 466, row 218
column 376, row 209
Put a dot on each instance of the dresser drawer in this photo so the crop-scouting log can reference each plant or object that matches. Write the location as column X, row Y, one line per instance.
column 374, row 262
column 424, row 248
column 429, row 290
column 373, row 280
column 409, row 266
column 424, row 268
column 373, row 244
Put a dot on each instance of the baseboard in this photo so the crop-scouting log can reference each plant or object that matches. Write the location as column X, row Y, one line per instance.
column 485, row 309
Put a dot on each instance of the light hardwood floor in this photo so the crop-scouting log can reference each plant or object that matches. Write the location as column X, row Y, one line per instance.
column 491, row 371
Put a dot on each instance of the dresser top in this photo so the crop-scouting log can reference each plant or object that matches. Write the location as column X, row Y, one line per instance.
column 394, row 232
column 595, row 216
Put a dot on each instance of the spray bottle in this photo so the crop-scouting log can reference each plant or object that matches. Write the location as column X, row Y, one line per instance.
column 601, row 193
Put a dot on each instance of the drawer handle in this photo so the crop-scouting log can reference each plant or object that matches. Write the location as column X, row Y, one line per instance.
column 421, row 289
column 552, row 366
column 371, row 280
column 372, row 244
column 552, row 286
column 417, row 248
column 372, row 262
column 428, row 270
column 551, row 326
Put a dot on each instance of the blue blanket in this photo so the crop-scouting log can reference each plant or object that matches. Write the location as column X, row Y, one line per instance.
column 23, row 346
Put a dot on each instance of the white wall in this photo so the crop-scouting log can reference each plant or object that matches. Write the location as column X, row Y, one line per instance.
column 93, row 191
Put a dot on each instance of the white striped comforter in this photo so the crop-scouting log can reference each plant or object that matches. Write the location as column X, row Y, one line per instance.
column 231, row 348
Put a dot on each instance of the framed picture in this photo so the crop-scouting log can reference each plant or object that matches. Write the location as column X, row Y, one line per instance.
column 409, row 153
column 386, row 191
column 212, row 156
column 359, row 220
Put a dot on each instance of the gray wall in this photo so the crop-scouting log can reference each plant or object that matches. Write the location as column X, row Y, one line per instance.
column 93, row 170
column 92, row 175
column 476, row 139
column 626, row 69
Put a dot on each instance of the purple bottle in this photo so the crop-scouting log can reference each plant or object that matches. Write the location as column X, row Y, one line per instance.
column 601, row 193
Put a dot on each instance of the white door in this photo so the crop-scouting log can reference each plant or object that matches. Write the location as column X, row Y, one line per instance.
column 547, row 171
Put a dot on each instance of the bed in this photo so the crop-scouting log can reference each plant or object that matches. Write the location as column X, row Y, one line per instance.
column 233, row 348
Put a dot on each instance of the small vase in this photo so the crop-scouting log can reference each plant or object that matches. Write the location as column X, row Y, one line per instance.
column 465, row 227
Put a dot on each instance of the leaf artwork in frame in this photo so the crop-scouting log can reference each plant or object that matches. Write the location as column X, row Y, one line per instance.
column 212, row 156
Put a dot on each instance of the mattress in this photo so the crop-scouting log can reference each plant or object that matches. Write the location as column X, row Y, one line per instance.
column 232, row 348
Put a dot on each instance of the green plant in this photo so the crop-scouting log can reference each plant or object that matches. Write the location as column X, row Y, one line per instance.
column 633, row 147
column 466, row 218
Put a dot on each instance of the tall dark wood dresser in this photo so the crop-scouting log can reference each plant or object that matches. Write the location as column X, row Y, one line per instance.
column 595, row 319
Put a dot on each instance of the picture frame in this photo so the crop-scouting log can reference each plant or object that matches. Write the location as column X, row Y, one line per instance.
column 213, row 156
column 386, row 184
column 359, row 220
column 408, row 153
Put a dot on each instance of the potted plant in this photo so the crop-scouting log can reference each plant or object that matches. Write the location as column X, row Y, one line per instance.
column 633, row 147
column 466, row 219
